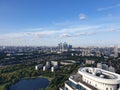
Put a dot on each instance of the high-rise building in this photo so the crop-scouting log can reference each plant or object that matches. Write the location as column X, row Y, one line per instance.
column 89, row 78
column 64, row 47
column 60, row 46
column 47, row 66
column 116, row 51
column 85, row 52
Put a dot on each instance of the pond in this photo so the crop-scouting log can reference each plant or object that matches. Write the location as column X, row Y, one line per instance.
column 30, row 84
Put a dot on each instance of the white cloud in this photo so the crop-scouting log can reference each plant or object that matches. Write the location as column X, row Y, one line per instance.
column 109, row 7
column 110, row 15
column 87, row 33
column 40, row 34
column 65, row 36
column 79, row 28
column 46, row 33
column 12, row 35
column 61, row 33
column 82, row 16
column 112, row 30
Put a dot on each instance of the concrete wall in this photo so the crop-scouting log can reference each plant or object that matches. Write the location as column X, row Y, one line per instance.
column 37, row 67
column 99, row 85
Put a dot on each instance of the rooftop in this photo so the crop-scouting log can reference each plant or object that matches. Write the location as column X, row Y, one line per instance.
column 78, row 78
column 100, row 75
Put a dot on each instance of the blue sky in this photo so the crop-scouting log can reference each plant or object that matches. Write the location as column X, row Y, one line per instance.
column 48, row 22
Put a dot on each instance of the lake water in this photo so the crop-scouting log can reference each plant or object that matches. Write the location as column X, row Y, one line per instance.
column 30, row 84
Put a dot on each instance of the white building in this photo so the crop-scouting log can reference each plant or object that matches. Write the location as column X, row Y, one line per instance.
column 116, row 51
column 47, row 63
column 89, row 61
column 102, row 66
column 54, row 63
column 47, row 66
column 37, row 67
column 111, row 69
column 68, row 62
column 54, row 68
column 89, row 78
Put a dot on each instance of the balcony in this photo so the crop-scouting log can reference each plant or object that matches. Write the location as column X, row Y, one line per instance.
column 78, row 78
column 74, row 86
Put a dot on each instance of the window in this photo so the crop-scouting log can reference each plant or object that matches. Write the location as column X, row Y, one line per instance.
column 90, row 82
column 66, row 88
column 117, row 85
column 96, row 85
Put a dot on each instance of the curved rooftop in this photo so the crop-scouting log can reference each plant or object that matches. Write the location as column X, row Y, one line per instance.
column 100, row 75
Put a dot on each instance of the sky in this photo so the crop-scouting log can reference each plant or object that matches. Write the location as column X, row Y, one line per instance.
column 48, row 22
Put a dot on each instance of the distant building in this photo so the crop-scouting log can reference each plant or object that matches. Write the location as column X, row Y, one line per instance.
column 55, row 65
column 99, row 65
column 116, row 51
column 37, row 67
column 47, row 63
column 98, row 54
column 64, row 47
column 47, row 66
column 111, row 69
column 102, row 66
column 68, row 62
column 89, row 61
column 86, row 52
column 54, row 68
column 105, row 67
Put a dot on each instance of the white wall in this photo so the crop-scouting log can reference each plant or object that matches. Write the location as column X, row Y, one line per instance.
column 97, row 84
column 67, row 86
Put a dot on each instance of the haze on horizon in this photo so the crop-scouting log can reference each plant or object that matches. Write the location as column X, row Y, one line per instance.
column 48, row 22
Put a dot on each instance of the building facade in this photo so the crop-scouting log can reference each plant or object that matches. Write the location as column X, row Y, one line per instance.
column 89, row 78
column 64, row 47
column 116, row 51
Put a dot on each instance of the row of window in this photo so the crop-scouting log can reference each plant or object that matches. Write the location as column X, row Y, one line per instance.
column 89, row 82
column 78, row 87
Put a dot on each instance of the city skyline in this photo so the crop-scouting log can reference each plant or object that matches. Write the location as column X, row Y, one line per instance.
column 46, row 23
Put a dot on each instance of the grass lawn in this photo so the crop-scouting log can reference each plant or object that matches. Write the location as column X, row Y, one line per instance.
column 2, row 87
column 49, row 78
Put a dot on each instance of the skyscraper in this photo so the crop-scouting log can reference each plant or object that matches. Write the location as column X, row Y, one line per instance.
column 116, row 51
column 64, row 47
